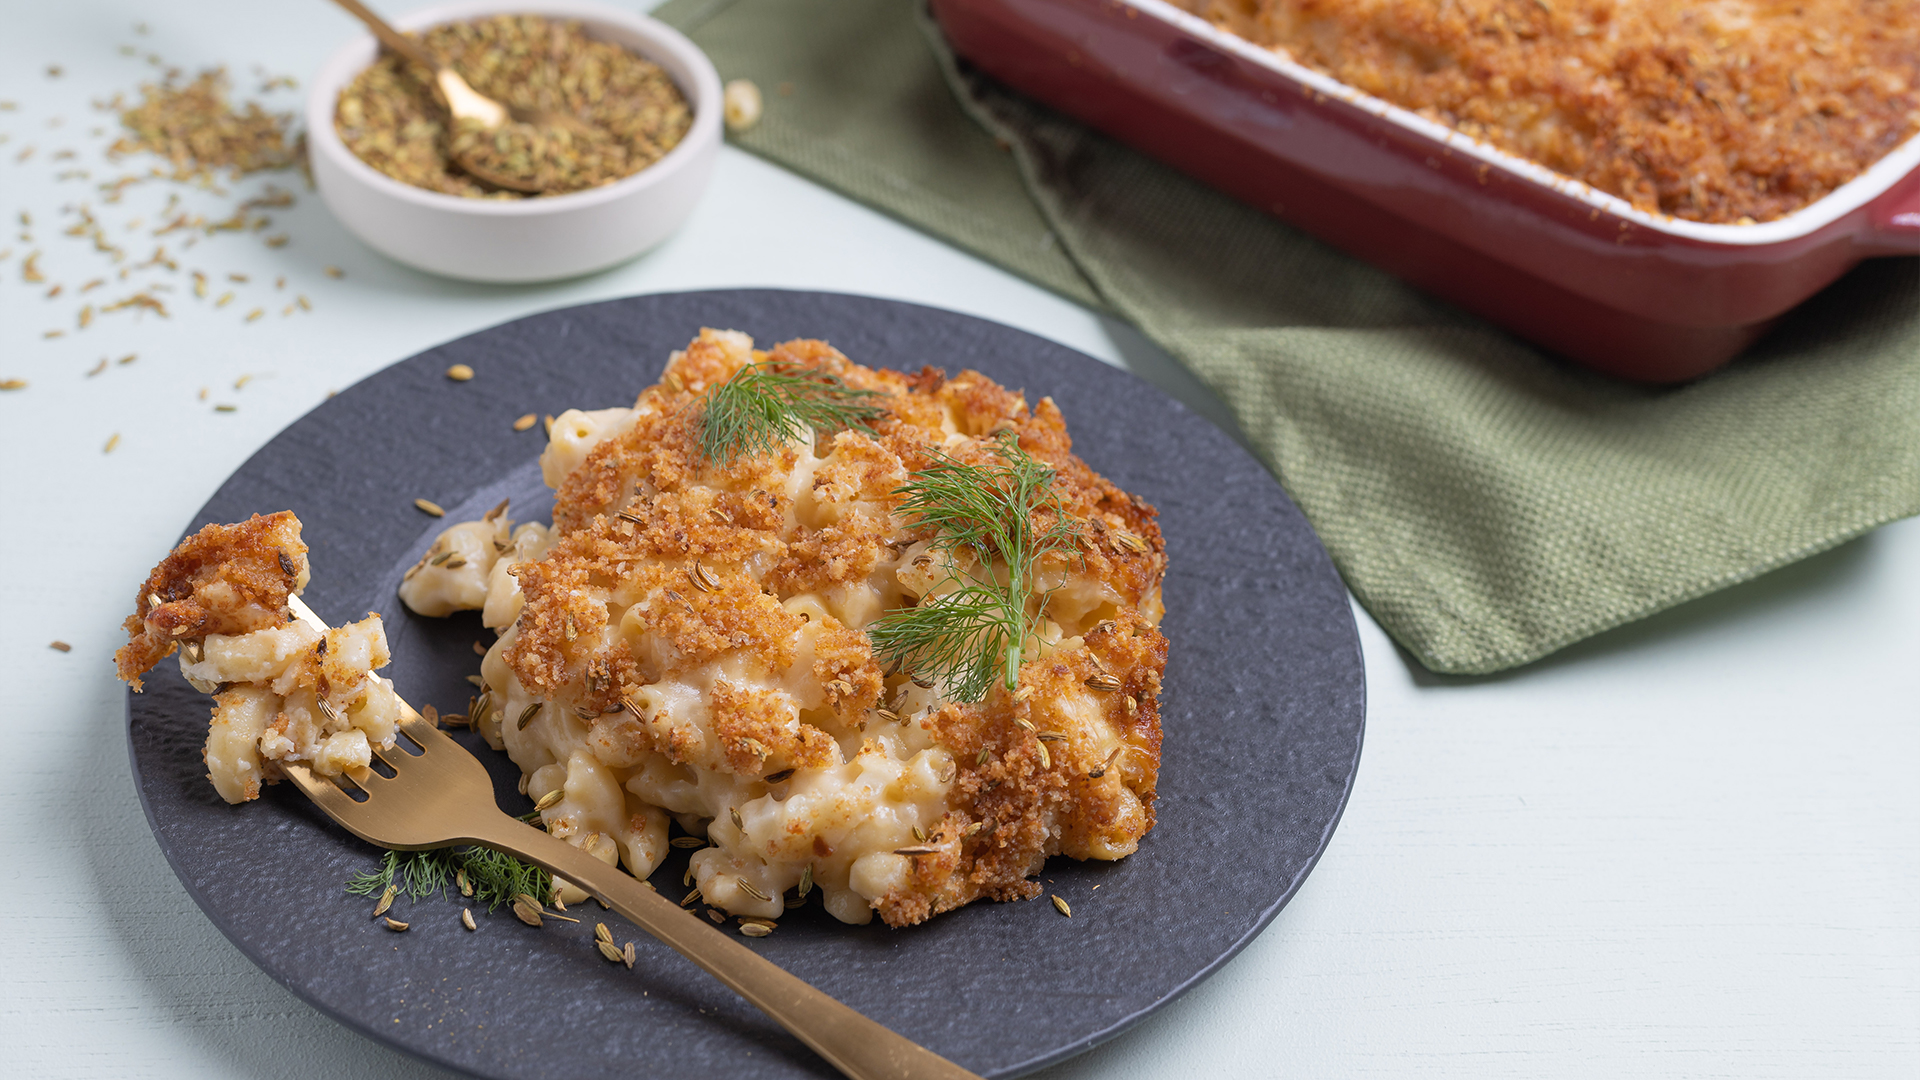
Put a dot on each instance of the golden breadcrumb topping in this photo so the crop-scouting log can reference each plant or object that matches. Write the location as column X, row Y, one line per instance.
column 224, row 579
column 1729, row 111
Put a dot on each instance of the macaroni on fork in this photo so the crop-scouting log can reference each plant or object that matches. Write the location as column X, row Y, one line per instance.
column 282, row 691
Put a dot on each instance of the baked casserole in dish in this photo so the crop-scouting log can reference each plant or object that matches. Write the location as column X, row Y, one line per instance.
column 1643, row 187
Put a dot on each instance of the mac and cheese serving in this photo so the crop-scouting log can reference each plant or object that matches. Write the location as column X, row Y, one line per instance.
column 689, row 641
column 282, row 691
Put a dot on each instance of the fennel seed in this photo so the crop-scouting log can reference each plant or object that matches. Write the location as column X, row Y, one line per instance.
column 706, row 579
column 527, row 910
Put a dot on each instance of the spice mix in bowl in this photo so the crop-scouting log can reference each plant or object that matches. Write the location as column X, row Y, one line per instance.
column 643, row 109
column 630, row 112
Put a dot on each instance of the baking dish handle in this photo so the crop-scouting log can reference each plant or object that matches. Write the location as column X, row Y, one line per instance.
column 1895, row 219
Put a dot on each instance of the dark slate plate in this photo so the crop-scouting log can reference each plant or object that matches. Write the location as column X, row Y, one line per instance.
column 1262, row 714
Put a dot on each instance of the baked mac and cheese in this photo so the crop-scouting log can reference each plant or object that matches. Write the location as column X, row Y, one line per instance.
column 282, row 691
column 689, row 642
column 1731, row 111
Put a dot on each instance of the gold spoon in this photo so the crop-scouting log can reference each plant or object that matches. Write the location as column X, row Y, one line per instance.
column 464, row 102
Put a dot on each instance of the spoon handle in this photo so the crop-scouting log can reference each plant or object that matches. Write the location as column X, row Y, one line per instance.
column 391, row 38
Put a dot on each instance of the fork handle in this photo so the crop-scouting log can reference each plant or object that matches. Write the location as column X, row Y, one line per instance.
column 852, row 1043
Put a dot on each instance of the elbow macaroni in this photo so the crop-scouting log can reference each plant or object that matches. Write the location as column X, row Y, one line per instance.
column 290, row 693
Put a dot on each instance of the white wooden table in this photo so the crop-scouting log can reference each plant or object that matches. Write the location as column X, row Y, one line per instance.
column 1686, row 849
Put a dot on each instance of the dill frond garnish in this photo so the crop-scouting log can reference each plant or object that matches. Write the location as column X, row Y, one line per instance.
column 971, row 630
column 496, row 877
column 765, row 404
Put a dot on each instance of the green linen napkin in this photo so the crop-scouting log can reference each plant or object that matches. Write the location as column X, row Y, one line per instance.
column 1486, row 503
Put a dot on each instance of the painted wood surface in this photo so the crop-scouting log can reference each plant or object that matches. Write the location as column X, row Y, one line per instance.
column 1685, row 849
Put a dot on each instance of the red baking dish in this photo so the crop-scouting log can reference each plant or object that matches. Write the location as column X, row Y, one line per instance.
column 1571, row 268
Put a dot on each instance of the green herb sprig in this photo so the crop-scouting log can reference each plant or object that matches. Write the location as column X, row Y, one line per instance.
column 975, row 632
column 496, row 877
column 764, row 404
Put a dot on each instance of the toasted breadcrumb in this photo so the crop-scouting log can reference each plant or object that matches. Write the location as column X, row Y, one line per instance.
column 224, row 579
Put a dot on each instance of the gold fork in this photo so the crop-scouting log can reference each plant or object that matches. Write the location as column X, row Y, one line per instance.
column 444, row 796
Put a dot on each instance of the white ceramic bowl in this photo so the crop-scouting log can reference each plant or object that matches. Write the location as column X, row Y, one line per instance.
column 521, row 240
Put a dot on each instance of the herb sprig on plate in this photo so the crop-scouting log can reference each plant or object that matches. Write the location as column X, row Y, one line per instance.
column 989, row 521
column 497, row 878
column 764, row 404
